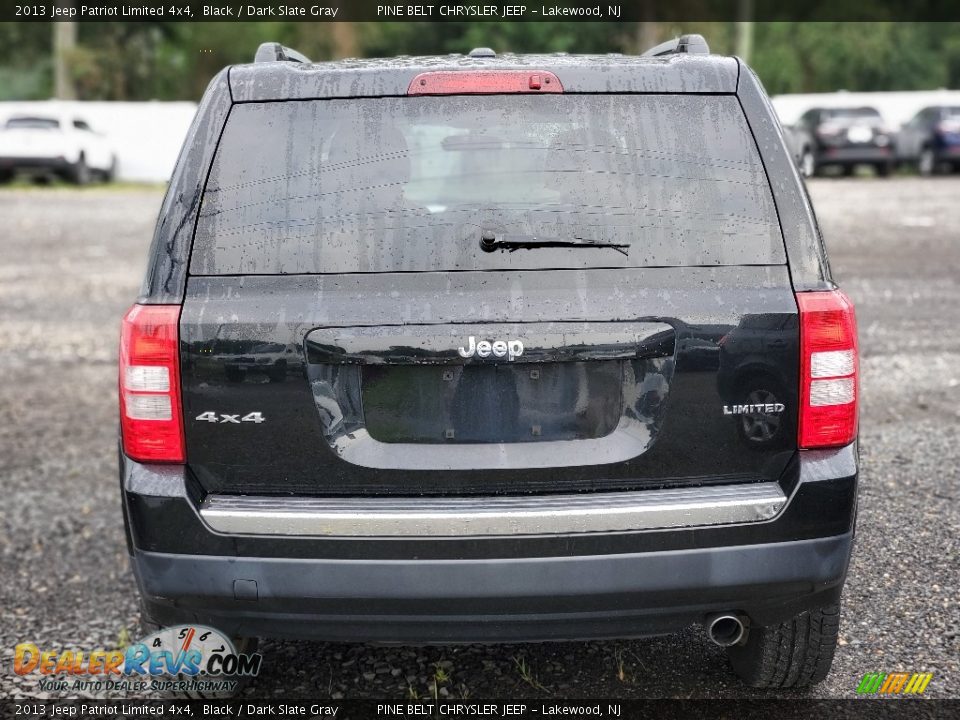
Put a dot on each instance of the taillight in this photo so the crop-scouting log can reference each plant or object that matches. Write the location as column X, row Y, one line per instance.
column 829, row 370
column 150, row 416
column 470, row 82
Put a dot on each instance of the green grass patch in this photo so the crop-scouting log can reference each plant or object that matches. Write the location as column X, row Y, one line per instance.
column 58, row 185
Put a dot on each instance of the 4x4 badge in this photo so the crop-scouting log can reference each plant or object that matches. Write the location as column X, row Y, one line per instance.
column 212, row 417
column 510, row 349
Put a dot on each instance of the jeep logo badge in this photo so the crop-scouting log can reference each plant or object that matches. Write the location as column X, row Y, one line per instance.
column 510, row 349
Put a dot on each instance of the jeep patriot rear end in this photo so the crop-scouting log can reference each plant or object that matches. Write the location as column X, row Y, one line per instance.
column 493, row 348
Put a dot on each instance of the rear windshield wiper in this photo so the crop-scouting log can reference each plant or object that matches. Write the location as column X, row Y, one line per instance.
column 490, row 241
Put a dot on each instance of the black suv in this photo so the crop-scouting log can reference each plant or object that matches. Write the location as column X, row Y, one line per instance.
column 845, row 138
column 493, row 348
column 931, row 140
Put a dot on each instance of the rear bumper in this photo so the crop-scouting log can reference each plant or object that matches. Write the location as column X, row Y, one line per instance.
column 490, row 589
column 944, row 152
column 492, row 600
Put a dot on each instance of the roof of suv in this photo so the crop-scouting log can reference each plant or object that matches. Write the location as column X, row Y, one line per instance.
column 676, row 73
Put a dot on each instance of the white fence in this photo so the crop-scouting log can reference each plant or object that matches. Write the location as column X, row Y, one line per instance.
column 146, row 136
column 896, row 108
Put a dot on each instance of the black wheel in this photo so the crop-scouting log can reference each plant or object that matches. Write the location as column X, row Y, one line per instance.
column 796, row 653
column 848, row 170
column 80, row 173
column 883, row 169
column 5, row 176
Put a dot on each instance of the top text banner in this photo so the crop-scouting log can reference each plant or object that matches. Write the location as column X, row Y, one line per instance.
column 562, row 10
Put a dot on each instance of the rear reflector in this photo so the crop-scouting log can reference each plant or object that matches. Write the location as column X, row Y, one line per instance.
column 150, row 417
column 828, row 369
column 484, row 82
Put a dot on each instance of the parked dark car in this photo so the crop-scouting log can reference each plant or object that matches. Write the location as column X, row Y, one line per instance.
column 524, row 304
column 845, row 138
column 931, row 140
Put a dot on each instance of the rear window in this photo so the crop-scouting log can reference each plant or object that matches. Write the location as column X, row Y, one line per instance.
column 850, row 113
column 409, row 184
column 32, row 123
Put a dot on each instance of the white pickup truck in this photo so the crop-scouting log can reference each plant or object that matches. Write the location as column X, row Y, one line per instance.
column 62, row 145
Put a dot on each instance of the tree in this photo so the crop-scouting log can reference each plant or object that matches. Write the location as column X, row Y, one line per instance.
column 169, row 60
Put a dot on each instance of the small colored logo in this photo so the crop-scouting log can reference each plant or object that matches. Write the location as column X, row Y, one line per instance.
column 193, row 655
column 898, row 683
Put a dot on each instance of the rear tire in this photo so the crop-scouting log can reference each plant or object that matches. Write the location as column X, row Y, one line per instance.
column 883, row 169
column 796, row 653
column 848, row 170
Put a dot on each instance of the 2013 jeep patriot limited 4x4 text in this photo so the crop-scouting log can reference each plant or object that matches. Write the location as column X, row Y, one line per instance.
column 493, row 348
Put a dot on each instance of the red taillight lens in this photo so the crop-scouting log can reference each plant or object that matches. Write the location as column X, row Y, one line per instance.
column 829, row 369
column 150, row 416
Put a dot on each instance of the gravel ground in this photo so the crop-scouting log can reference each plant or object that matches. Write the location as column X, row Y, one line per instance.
column 72, row 262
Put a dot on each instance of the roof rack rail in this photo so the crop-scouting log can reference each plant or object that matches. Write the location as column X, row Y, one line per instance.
column 685, row 44
column 275, row 52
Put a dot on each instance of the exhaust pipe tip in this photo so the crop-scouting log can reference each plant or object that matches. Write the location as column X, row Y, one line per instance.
column 726, row 629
